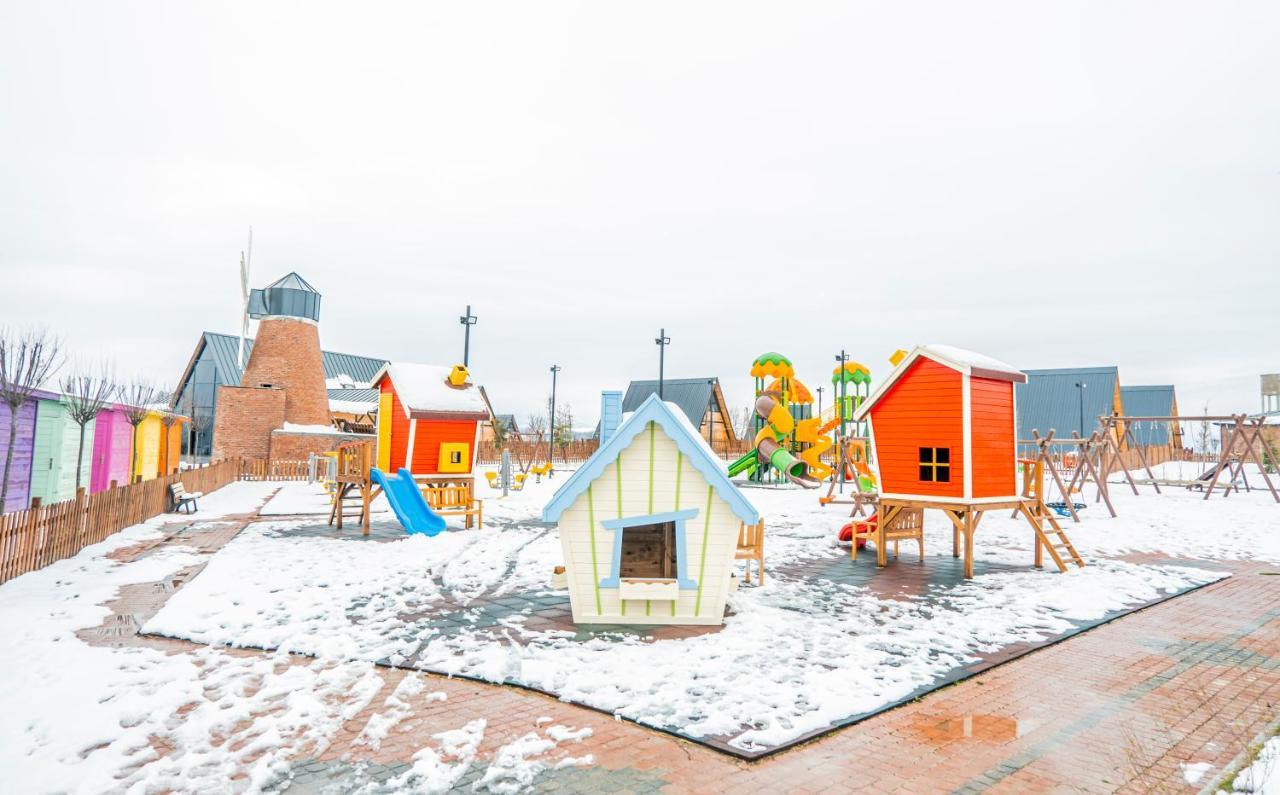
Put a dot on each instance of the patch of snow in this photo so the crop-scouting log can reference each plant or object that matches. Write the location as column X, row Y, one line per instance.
column 314, row 430
column 1192, row 772
column 426, row 387
column 438, row 770
column 1262, row 776
column 342, row 406
column 398, row 707
column 512, row 769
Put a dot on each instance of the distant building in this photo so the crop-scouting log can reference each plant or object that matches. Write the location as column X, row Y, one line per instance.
column 1067, row 399
column 1153, row 401
column 280, row 409
column 1271, row 393
column 700, row 399
column 215, row 363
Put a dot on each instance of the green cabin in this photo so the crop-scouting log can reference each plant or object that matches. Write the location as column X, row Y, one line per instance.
column 57, row 441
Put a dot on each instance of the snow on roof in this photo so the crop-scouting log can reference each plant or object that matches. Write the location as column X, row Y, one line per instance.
column 964, row 361
column 671, row 418
column 959, row 356
column 425, row 392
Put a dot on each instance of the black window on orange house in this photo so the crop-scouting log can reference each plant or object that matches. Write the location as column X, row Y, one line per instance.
column 935, row 464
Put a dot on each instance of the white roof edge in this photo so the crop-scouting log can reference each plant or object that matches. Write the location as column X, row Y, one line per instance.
column 958, row 359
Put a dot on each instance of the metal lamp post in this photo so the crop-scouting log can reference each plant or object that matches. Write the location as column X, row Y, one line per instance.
column 1080, row 388
column 841, row 359
column 662, row 341
column 551, row 439
column 468, row 320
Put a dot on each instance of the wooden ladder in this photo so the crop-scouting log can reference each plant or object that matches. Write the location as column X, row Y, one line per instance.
column 1045, row 538
column 347, row 493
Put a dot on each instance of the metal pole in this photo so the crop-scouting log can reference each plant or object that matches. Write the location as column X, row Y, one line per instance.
column 841, row 358
column 468, row 320
column 662, row 341
column 1080, row 388
column 551, row 439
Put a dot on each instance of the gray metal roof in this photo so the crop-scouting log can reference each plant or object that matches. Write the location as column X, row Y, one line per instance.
column 1051, row 399
column 223, row 348
column 356, row 395
column 1149, row 401
column 692, row 395
column 293, row 281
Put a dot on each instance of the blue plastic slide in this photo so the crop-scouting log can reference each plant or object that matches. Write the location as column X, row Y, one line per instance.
column 406, row 500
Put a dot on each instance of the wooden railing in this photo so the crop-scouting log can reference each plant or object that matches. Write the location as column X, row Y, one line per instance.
column 262, row 469
column 43, row 534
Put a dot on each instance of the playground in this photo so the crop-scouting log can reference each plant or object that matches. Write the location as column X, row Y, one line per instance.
column 848, row 571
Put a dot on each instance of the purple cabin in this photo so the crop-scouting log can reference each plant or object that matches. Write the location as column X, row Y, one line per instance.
column 19, row 494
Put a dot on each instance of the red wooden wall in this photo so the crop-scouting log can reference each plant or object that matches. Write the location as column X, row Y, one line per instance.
column 923, row 409
column 994, row 447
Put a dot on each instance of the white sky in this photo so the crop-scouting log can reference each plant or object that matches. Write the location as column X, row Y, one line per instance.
column 1062, row 184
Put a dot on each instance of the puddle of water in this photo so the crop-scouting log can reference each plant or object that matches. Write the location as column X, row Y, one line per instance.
column 987, row 728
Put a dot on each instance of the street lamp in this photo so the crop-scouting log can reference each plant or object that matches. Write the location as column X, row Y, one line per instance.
column 467, row 320
column 551, row 440
column 662, row 341
column 840, row 395
column 1080, row 388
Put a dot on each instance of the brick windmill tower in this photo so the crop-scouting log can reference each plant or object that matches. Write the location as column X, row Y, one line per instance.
column 283, row 382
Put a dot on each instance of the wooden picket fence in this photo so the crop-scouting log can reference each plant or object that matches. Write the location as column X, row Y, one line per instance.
column 43, row 534
column 262, row 469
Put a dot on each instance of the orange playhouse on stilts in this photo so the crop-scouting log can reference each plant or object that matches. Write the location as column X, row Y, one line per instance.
column 429, row 424
column 944, row 430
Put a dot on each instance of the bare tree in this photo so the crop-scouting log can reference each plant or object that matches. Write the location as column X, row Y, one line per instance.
column 86, row 392
column 536, row 423
column 137, row 397
column 741, row 418
column 564, row 426
column 202, row 424
column 28, row 358
column 1203, row 437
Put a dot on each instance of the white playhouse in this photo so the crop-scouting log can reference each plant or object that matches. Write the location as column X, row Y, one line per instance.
column 650, row 523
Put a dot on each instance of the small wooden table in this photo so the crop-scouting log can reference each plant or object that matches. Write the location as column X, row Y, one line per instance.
column 966, row 514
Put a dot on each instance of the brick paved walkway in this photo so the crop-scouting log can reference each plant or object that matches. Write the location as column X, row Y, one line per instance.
column 1119, row 708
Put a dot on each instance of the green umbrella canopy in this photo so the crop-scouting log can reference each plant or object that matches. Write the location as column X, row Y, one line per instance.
column 772, row 364
column 851, row 373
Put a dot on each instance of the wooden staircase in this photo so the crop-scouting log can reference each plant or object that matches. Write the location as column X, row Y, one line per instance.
column 1053, row 538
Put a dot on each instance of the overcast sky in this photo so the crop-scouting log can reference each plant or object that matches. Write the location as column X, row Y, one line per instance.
column 1050, row 184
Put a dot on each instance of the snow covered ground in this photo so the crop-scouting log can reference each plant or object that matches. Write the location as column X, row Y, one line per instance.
column 1262, row 776
column 89, row 718
column 86, row 718
column 778, row 670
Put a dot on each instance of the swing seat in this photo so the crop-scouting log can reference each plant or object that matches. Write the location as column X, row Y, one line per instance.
column 1061, row 509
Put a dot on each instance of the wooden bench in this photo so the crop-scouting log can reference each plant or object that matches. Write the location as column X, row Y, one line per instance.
column 455, row 499
column 183, row 498
column 907, row 525
column 751, row 547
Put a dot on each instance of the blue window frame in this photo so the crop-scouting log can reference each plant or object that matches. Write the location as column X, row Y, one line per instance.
column 619, row 528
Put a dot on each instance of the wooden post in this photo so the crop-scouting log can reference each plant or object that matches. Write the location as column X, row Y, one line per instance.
column 968, row 542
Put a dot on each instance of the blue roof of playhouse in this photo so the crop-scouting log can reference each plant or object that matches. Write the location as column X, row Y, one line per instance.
column 672, row 421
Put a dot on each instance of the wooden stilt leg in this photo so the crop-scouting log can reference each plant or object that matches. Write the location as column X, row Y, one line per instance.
column 968, row 544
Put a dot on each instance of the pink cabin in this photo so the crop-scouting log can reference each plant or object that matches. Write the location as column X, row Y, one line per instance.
column 112, row 450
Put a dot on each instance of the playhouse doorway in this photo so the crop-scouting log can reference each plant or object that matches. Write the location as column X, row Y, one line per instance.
column 649, row 552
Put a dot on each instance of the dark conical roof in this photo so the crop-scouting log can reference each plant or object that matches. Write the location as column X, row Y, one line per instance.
column 293, row 281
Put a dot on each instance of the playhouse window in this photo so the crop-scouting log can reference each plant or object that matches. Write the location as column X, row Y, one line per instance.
column 935, row 464
column 649, row 552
